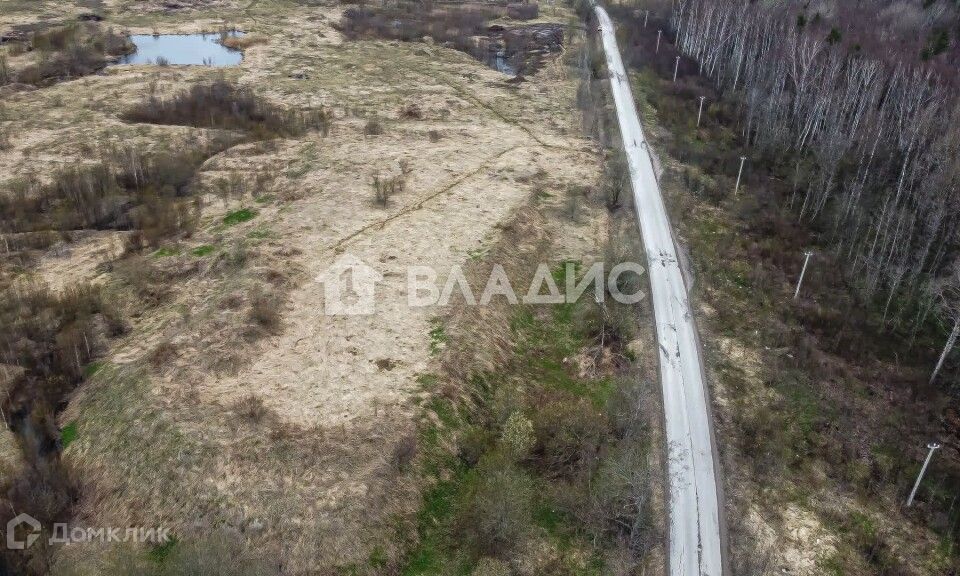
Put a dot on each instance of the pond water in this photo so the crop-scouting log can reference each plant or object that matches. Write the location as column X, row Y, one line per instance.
column 499, row 61
column 200, row 49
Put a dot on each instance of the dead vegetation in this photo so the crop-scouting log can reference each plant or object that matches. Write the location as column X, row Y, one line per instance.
column 265, row 312
column 242, row 42
column 465, row 28
column 149, row 194
column 52, row 339
column 386, row 187
column 296, row 464
column 70, row 51
column 223, row 105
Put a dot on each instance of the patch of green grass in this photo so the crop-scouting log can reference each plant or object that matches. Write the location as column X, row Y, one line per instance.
column 544, row 338
column 438, row 337
column 160, row 552
column 427, row 382
column 92, row 368
column 264, row 199
column 432, row 521
column 68, row 434
column 478, row 253
column 239, row 216
column 259, row 233
column 378, row 558
column 204, row 250
column 166, row 251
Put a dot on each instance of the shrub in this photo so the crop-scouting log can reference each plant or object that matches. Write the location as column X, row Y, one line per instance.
column 517, row 437
column 404, row 452
column 569, row 432
column 77, row 60
column 620, row 497
column 265, row 311
column 149, row 283
column 162, row 355
column 126, row 190
column 616, row 181
column 523, row 10
column 373, row 127
column 385, row 188
column 454, row 25
column 52, row 337
column 221, row 104
column 495, row 514
column 72, row 51
column 411, row 111
column 242, row 42
column 251, row 407
column 607, row 324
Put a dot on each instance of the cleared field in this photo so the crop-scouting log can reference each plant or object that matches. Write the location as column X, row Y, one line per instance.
column 233, row 402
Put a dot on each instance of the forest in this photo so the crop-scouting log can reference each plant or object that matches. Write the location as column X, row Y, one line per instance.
column 855, row 104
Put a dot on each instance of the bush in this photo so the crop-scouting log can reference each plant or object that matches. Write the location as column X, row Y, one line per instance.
column 523, row 10
column 495, row 515
column 455, row 25
column 373, row 127
column 404, row 452
column 52, row 337
column 126, row 190
column 569, row 432
column 411, row 111
column 149, row 283
column 72, row 51
column 163, row 355
column 385, row 188
column 221, row 104
column 251, row 407
column 517, row 437
column 616, row 181
column 265, row 311
column 620, row 498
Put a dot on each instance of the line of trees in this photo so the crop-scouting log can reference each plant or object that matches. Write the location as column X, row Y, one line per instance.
column 872, row 142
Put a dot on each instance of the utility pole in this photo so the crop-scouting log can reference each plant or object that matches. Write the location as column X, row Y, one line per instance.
column 951, row 340
column 657, row 50
column 802, row 272
column 676, row 68
column 700, row 113
column 739, row 174
column 932, row 446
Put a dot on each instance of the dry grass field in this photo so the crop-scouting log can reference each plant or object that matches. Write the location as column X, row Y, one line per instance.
column 231, row 402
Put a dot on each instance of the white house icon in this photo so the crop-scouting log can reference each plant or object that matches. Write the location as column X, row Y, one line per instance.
column 349, row 287
column 15, row 540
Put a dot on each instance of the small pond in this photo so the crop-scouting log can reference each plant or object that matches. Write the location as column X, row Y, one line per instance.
column 200, row 49
column 499, row 61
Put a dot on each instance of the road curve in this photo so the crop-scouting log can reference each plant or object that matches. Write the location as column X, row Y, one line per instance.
column 695, row 522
